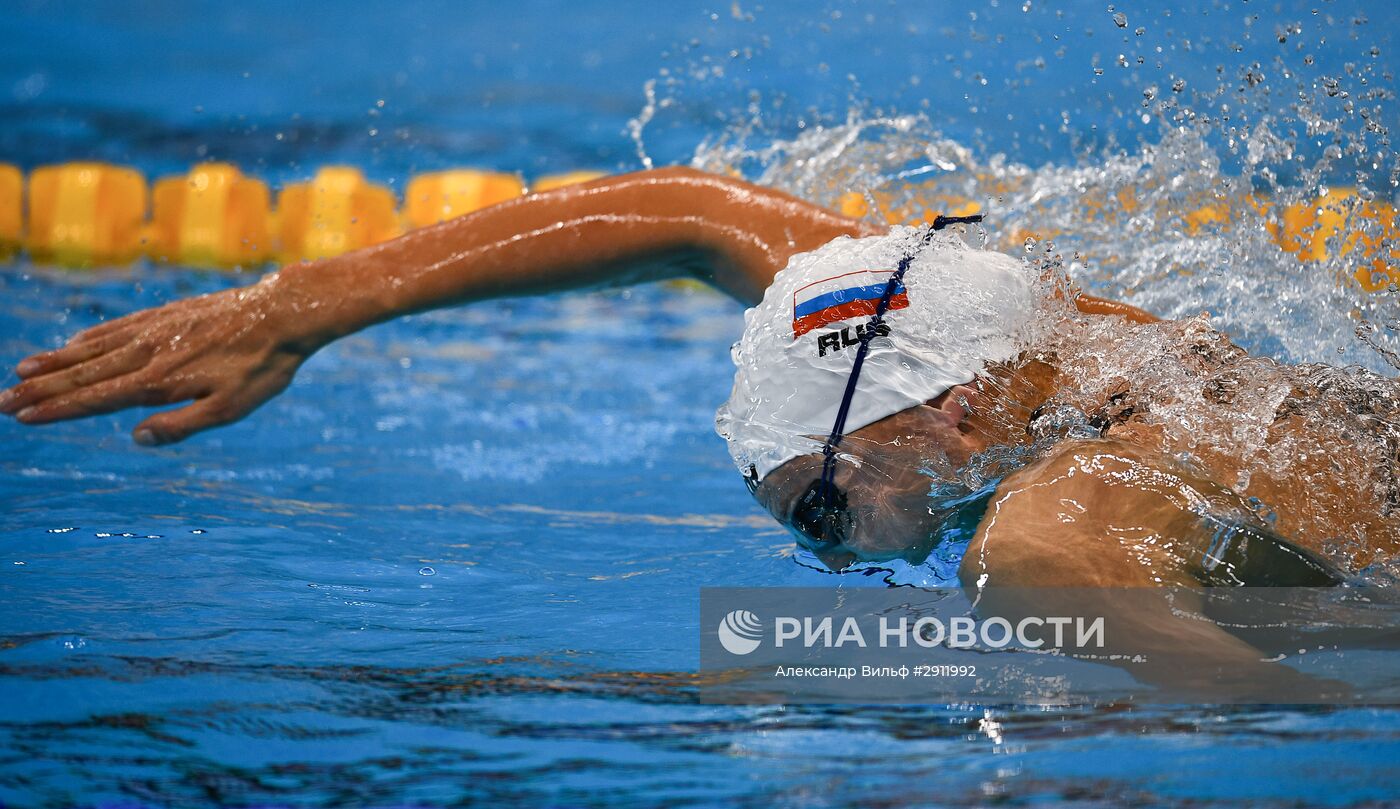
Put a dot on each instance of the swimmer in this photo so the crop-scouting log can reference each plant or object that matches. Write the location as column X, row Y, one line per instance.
column 228, row 352
column 874, row 364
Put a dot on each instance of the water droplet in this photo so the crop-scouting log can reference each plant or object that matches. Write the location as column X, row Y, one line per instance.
column 426, row 571
column 1120, row 19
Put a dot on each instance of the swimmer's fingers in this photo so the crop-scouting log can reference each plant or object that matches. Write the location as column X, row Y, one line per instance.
column 37, row 389
column 171, row 426
column 107, row 396
column 71, row 354
column 104, row 337
column 214, row 410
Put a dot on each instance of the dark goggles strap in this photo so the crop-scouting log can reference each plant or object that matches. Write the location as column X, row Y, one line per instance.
column 838, row 430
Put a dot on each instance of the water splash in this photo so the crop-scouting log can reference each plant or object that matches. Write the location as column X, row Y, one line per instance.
column 1164, row 227
column 637, row 126
column 1195, row 227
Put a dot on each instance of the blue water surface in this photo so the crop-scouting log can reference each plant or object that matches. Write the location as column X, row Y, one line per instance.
column 459, row 560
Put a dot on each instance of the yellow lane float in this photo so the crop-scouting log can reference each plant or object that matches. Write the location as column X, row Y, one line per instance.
column 1370, row 226
column 82, row 214
column 442, row 195
column 553, row 181
column 11, row 209
column 915, row 212
column 92, row 213
column 211, row 217
column 338, row 211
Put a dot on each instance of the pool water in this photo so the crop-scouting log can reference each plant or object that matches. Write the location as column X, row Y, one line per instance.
column 458, row 560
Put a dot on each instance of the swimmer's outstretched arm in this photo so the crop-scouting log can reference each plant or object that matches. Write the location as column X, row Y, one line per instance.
column 231, row 351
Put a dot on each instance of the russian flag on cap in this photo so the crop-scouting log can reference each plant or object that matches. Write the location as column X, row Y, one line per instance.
column 842, row 297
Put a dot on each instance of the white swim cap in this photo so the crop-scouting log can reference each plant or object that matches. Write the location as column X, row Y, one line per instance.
column 958, row 309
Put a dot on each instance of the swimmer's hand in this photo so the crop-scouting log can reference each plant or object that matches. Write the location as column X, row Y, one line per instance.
column 227, row 351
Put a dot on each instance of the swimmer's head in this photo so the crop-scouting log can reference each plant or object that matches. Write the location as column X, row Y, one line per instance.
column 957, row 309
